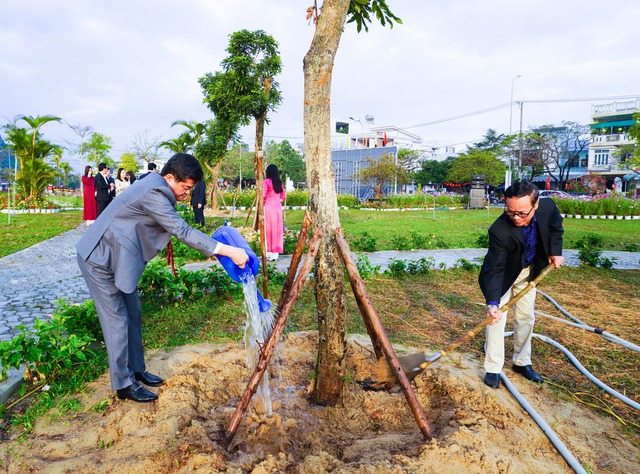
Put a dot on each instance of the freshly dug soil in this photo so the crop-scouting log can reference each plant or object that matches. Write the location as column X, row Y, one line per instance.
column 476, row 429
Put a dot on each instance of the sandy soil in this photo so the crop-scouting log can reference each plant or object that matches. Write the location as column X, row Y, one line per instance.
column 477, row 429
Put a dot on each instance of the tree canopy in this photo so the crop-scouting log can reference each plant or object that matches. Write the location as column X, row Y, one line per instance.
column 478, row 162
column 288, row 160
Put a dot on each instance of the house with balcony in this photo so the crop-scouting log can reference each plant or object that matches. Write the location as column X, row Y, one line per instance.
column 609, row 135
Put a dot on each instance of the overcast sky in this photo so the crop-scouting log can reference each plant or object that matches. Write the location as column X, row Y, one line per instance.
column 123, row 67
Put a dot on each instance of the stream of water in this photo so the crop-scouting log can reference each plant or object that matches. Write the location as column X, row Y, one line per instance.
column 257, row 329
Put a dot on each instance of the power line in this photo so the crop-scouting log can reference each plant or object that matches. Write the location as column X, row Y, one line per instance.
column 508, row 104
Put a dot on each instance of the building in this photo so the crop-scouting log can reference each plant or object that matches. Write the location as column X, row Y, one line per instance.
column 609, row 134
column 354, row 151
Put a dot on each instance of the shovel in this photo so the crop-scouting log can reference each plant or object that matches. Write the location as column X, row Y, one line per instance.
column 414, row 364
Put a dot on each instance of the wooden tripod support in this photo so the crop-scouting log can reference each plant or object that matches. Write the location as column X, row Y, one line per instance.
column 378, row 334
column 290, row 293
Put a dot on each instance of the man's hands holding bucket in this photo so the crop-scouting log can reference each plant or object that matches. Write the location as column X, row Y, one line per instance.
column 236, row 254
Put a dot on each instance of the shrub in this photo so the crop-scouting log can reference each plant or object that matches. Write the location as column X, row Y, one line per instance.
column 81, row 319
column 401, row 242
column 397, row 268
column 589, row 252
column 364, row 243
column 348, row 200
column 48, row 350
column 483, row 241
column 365, row 268
column 419, row 241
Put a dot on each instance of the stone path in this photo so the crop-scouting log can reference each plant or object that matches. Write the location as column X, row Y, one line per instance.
column 32, row 280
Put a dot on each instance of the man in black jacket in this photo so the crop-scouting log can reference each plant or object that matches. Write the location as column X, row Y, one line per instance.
column 522, row 241
column 104, row 188
column 198, row 200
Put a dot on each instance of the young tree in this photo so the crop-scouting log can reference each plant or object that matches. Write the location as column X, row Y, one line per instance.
column 238, row 163
column 329, row 270
column 97, row 149
column 381, row 171
column 633, row 161
column 246, row 89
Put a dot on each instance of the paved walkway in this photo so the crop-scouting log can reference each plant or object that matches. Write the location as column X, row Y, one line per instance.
column 32, row 280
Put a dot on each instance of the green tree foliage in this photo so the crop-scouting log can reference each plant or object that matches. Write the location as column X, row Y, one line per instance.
column 433, row 171
column 129, row 162
column 288, row 160
column 31, row 150
column 384, row 170
column 97, row 149
column 361, row 11
column 238, row 163
column 477, row 162
column 633, row 161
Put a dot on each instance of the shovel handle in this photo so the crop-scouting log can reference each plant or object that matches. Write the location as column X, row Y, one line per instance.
column 474, row 332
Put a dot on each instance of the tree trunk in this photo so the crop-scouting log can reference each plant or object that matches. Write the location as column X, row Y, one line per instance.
column 329, row 274
column 257, row 164
column 213, row 192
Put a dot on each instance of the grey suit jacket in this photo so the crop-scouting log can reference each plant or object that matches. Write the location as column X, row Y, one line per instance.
column 134, row 228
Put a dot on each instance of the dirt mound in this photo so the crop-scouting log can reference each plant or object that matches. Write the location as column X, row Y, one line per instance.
column 476, row 429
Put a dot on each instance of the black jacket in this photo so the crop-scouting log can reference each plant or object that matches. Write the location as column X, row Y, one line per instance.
column 505, row 259
column 103, row 192
column 198, row 194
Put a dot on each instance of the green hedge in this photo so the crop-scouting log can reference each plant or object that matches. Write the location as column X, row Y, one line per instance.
column 606, row 205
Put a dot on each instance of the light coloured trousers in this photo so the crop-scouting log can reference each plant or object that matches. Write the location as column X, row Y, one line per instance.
column 523, row 321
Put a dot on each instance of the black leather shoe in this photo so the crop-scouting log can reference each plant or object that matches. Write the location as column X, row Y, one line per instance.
column 492, row 380
column 137, row 393
column 528, row 373
column 148, row 379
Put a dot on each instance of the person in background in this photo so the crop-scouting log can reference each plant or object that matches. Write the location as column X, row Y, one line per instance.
column 132, row 177
column 113, row 253
column 198, row 201
column 151, row 168
column 104, row 188
column 122, row 181
column 90, row 208
column 522, row 242
column 273, row 194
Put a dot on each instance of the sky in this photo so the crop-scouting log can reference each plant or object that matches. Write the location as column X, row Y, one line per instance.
column 129, row 69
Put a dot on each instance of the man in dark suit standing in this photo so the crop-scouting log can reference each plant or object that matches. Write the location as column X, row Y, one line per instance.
column 198, row 201
column 112, row 255
column 104, row 188
column 151, row 168
column 522, row 241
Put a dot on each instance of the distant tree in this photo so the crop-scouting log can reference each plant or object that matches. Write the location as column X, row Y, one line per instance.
column 83, row 131
column 56, row 155
column 129, row 162
column 433, row 171
column 477, row 162
column 67, row 174
column 492, row 141
column 559, row 148
column 32, row 150
column 410, row 159
column 384, row 170
column 288, row 160
column 145, row 147
column 633, row 157
column 238, row 162
column 96, row 150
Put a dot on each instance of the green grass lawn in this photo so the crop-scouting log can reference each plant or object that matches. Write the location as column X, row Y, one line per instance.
column 443, row 228
column 26, row 230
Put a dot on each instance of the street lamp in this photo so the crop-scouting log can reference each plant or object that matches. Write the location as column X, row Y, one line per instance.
column 508, row 180
column 362, row 125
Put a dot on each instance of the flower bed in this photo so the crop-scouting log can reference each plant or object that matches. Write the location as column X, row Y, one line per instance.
column 600, row 206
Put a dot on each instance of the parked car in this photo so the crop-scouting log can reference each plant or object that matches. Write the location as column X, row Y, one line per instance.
column 545, row 193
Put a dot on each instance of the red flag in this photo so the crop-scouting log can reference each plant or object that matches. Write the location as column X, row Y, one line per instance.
column 548, row 186
column 384, row 139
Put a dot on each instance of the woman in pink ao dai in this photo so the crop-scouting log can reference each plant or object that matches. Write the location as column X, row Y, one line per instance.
column 273, row 196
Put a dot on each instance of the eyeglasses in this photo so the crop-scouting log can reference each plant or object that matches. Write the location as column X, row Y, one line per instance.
column 521, row 215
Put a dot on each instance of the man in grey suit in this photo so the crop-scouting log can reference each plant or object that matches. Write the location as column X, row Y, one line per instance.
column 112, row 255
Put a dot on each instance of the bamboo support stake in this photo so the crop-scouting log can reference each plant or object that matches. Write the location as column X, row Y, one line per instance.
column 295, row 260
column 380, row 334
column 269, row 347
column 246, row 222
